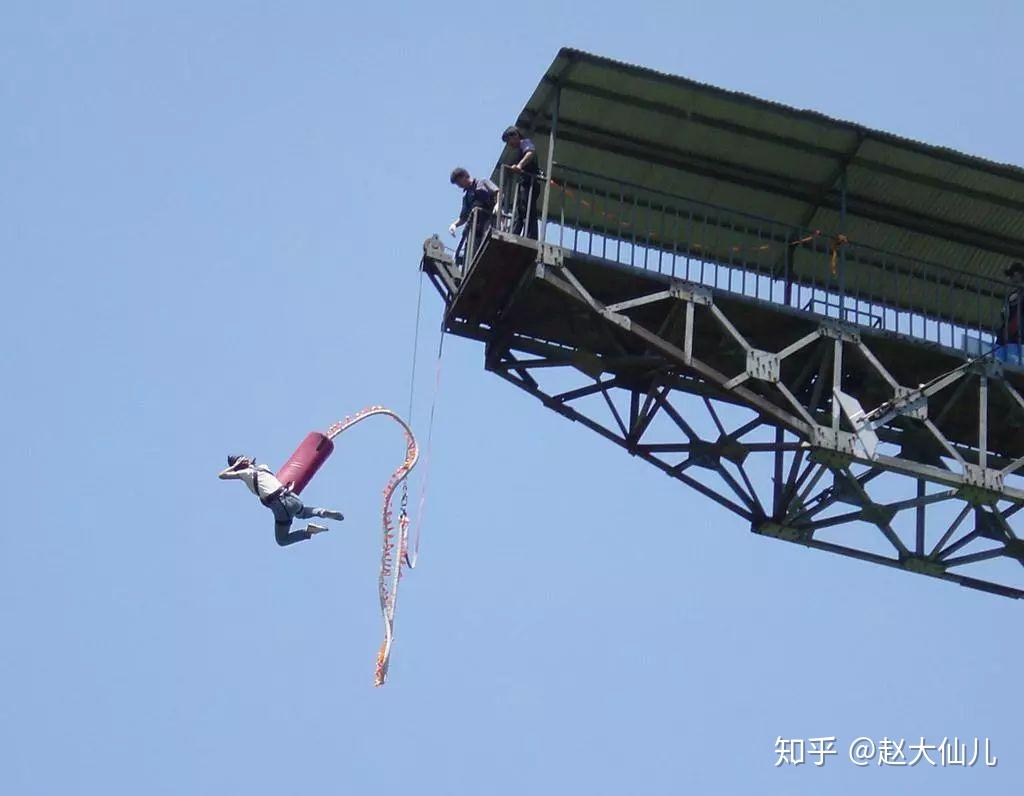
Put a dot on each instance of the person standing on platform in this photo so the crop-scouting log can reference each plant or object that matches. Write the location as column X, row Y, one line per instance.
column 526, row 167
column 1009, row 333
column 480, row 195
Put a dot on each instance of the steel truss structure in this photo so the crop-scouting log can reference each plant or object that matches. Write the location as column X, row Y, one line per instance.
column 736, row 399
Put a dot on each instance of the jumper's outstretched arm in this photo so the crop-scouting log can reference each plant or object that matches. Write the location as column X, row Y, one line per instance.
column 233, row 470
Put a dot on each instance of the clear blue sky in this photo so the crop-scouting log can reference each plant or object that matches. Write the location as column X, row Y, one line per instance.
column 211, row 220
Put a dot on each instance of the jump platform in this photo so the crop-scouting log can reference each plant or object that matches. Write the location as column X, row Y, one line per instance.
column 651, row 343
column 717, row 274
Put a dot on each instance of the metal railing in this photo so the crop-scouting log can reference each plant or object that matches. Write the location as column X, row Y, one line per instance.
column 816, row 271
column 757, row 257
column 473, row 236
column 518, row 213
column 520, row 202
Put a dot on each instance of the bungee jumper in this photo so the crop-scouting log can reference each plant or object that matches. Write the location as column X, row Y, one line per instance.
column 279, row 492
column 280, row 498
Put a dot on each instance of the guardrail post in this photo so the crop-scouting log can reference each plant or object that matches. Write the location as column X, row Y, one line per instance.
column 542, row 227
column 787, row 293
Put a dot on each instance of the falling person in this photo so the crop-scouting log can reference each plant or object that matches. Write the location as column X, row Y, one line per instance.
column 279, row 498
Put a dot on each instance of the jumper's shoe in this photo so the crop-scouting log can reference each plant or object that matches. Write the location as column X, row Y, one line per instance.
column 313, row 530
column 330, row 514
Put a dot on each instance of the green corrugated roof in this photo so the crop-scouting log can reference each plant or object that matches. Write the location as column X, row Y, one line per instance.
column 690, row 139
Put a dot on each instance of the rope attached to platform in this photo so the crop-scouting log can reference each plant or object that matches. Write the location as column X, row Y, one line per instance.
column 412, row 553
column 396, row 551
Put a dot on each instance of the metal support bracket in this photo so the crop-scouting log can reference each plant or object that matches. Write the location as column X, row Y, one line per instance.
column 763, row 365
column 839, row 330
column 910, row 402
column 924, row 566
column 433, row 249
column 687, row 291
column 552, row 255
column 983, row 484
column 777, row 531
column 834, row 447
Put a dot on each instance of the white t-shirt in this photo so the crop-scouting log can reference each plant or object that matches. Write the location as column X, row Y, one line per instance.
column 268, row 483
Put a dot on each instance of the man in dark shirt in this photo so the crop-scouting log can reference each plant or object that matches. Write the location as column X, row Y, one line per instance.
column 480, row 195
column 1009, row 334
column 525, row 165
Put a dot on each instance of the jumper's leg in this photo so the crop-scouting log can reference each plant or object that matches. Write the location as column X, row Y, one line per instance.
column 296, row 508
column 285, row 536
column 328, row 514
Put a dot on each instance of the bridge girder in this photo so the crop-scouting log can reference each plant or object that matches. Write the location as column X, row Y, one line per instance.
column 773, row 446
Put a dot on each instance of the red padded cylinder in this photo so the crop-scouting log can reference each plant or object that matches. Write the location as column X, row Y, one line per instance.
column 303, row 464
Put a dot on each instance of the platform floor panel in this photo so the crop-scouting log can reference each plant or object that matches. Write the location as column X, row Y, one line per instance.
column 495, row 273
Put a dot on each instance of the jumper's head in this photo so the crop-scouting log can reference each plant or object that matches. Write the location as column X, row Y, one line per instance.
column 1015, row 271
column 461, row 178
column 512, row 136
column 236, row 460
